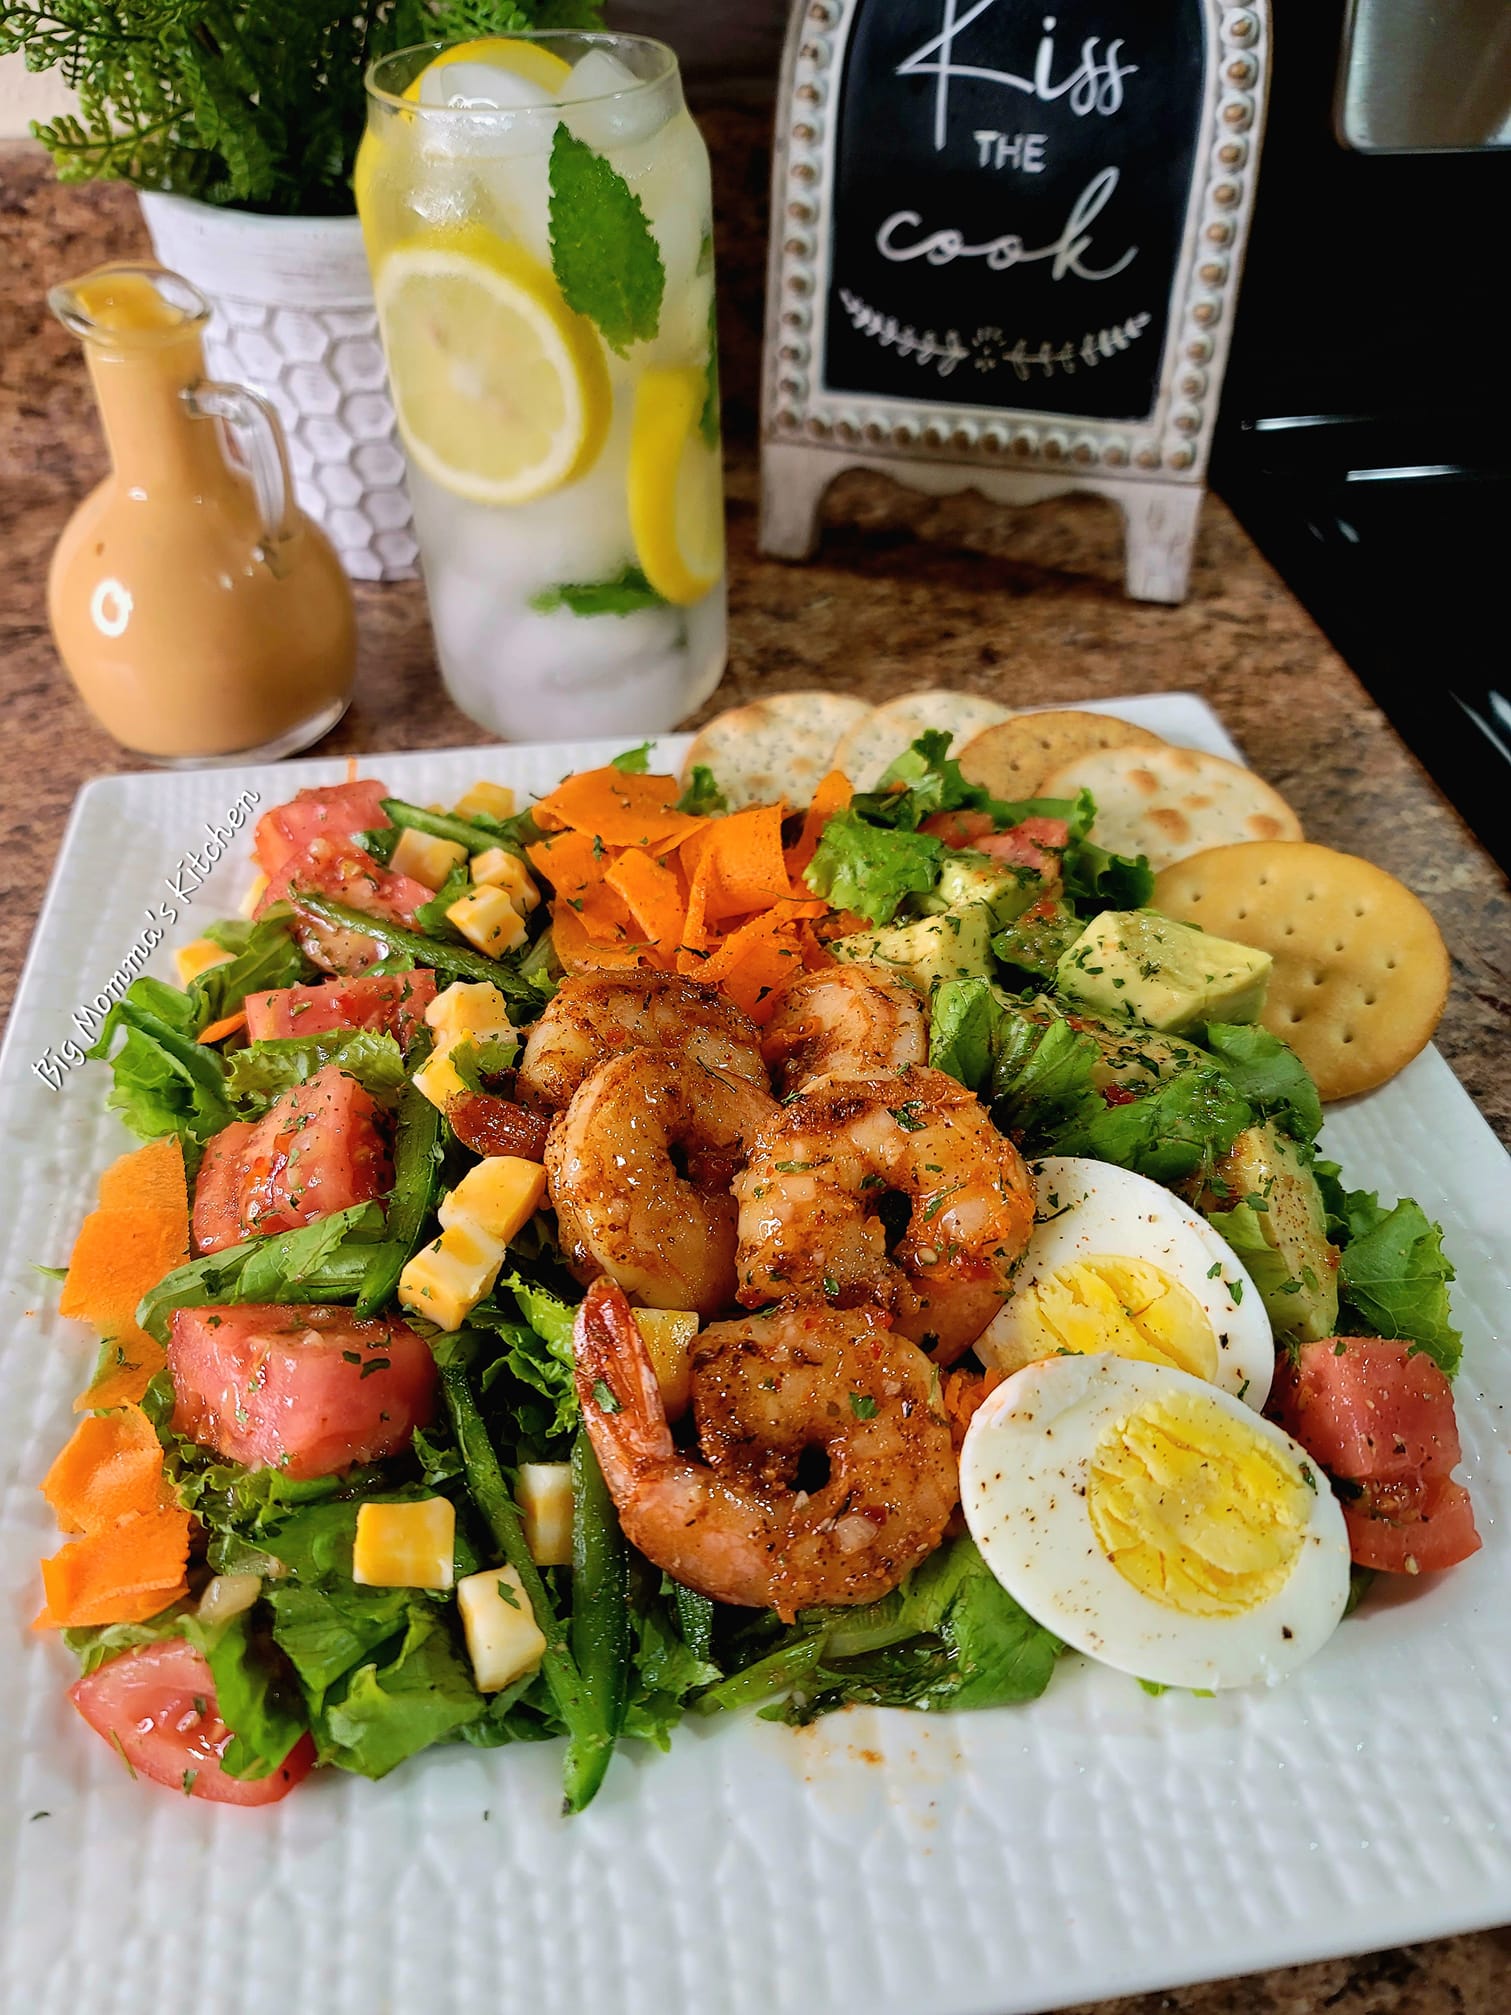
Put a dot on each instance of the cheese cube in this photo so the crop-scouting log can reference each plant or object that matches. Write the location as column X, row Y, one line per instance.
column 486, row 918
column 545, row 1509
column 439, row 1079
column 445, row 1282
column 669, row 1337
column 193, row 959
column 405, row 1545
column 499, row 1196
column 425, row 858
column 497, row 868
column 495, row 801
column 468, row 1007
column 257, row 889
column 504, row 1641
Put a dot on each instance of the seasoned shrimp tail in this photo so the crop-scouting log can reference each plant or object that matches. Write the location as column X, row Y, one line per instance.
column 610, row 1357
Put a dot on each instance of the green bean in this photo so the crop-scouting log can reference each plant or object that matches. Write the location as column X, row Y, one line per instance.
column 778, row 1672
column 485, row 1481
column 600, row 1621
column 456, row 962
column 446, row 826
column 416, row 1143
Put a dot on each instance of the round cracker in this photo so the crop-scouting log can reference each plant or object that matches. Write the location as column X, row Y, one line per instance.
column 1361, row 971
column 778, row 748
column 1169, row 802
column 1013, row 758
column 871, row 746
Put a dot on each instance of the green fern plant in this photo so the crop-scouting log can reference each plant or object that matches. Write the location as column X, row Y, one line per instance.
column 254, row 103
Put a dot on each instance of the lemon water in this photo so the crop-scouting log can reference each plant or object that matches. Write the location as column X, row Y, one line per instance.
column 538, row 221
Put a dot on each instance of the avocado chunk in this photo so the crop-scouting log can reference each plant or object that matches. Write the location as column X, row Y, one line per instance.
column 968, row 877
column 1034, row 942
column 1139, row 966
column 1265, row 1202
column 954, row 946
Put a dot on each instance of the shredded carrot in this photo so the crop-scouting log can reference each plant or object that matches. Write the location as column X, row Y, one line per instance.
column 571, row 862
column 111, row 1467
column 963, row 1393
column 117, row 1256
column 138, row 1360
column 832, row 795
column 622, row 810
column 121, row 1574
column 227, row 1025
column 751, row 964
column 653, row 895
column 579, row 952
column 149, row 1178
column 742, row 864
column 351, row 769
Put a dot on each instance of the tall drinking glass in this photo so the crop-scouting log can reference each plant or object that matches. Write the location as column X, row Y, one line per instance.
column 538, row 221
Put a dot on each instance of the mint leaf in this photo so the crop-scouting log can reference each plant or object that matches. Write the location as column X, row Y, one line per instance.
column 626, row 593
column 606, row 261
column 708, row 418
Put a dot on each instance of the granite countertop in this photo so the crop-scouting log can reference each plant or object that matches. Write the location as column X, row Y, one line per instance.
column 905, row 591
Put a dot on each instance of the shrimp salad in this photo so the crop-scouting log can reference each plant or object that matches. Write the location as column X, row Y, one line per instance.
column 620, row 1258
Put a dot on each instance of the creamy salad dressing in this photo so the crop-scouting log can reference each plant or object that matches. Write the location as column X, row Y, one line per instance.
column 199, row 612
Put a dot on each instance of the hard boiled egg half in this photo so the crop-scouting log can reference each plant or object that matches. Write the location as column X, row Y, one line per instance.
column 1117, row 1263
column 1155, row 1522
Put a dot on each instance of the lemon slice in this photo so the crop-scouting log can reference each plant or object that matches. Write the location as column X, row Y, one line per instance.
column 500, row 52
column 676, row 491
column 501, row 391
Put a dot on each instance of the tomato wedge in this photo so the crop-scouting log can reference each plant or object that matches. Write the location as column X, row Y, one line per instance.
column 390, row 1003
column 333, row 811
column 157, row 1706
column 316, row 1149
column 1379, row 1417
column 304, row 1389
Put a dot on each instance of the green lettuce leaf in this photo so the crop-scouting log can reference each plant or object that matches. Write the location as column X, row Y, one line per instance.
column 254, row 1693
column 964, row 1017
column 870, row 869
column 323, row 1261
column 164, row 1079
column 328, row 1630
column 1269, row 1075
column 1394, row 1275
column 949, row 1639
column 374, row 1718
column 262, row 1070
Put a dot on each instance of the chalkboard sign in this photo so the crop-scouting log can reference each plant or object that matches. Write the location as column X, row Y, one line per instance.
column 1005, row 243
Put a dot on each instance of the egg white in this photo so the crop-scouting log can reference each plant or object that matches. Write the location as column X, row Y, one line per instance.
column 1087, row 1207
column 1023, row 1480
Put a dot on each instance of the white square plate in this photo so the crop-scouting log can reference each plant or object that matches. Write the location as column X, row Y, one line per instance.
column 1092, row 1843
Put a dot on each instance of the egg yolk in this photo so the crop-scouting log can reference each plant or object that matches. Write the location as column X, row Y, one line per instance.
column 1105, row 1301
column 1196, row 1508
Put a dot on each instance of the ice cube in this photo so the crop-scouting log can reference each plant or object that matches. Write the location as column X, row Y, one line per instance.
column 485, row 86
column 608, row 110
column 670, row 176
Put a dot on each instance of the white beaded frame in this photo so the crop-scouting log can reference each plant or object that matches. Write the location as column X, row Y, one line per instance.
column 1154, row 470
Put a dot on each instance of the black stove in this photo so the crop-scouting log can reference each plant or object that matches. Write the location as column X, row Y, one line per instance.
column 1365, row 434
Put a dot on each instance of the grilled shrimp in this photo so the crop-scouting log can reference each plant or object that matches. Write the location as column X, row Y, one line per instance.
column 814, row 1196
column 804, row 1384
column 844, row 1021
column 602, row 1014
column 640, row 1166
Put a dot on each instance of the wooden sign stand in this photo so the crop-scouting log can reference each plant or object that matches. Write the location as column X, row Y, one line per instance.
column 852, row 381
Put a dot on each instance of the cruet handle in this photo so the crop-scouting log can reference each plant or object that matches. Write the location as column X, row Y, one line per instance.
column 259, row 437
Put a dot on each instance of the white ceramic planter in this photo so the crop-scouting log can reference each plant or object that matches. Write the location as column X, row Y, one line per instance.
column 294, row 319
